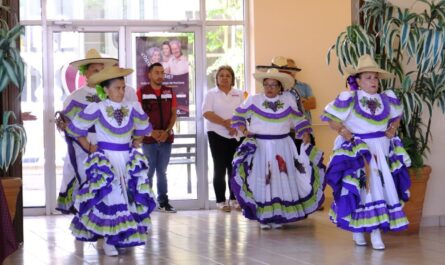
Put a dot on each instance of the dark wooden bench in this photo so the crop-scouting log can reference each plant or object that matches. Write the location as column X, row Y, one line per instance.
column 184, row 153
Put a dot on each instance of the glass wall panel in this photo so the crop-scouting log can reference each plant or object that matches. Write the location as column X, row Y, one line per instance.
column 85, row 9
column 32, row 102
column 163, row 9
column 30, row 10
column 225, row 46
column 224, row 9
column 124, row 9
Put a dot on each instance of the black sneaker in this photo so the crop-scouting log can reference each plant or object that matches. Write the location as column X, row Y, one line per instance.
column 166, row 207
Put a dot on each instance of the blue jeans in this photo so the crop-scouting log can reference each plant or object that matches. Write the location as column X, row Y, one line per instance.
column 158, row 155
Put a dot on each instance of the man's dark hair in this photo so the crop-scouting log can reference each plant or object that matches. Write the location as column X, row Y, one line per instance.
column 153, row 66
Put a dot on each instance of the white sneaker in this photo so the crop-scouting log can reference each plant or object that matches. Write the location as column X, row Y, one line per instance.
column 376, row 240
column 235, row 205
column 223, row 206
column 110, row 250
column 276, row 226
column 265, row 226
column 359, row 239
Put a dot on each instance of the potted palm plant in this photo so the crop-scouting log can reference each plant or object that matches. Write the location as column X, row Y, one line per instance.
column 410, row 45
column 12, row 134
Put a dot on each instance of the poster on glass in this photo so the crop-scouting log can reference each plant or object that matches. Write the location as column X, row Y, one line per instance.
column 170, row 52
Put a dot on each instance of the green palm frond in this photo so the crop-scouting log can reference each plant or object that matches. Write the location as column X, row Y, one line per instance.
column 11, row 64
column 350, row 45
column 12, row 140
column 375, row 13
column 410, row 45
column 12, row 136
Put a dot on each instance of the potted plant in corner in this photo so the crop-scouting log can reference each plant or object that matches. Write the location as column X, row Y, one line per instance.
column 410, row 45
column 12, row 135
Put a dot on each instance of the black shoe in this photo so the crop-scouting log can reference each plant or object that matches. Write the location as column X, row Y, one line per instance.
column 166, row 207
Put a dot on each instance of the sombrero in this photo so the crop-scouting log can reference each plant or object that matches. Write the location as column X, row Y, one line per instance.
column 367, row 64
column 281, row 63
column 286, row 80
column 108, row 73
column 93, row 56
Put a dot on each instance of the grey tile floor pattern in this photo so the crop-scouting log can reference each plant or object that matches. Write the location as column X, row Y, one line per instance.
column 214, row 237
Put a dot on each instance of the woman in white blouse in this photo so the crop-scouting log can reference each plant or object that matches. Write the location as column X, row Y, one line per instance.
column 219, row 105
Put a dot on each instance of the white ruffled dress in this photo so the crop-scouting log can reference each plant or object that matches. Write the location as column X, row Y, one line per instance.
column 365, row 200
column 115, row 201
column 272, row 182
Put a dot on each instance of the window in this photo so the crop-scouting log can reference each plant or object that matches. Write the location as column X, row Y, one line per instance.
column 182, row 10
column 225, row 46
column 30, row 10
column 224, row 9
column 33, row 159
column 85, row 9
column 178, row 10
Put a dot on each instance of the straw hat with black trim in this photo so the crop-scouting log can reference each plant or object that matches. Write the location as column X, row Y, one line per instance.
column 286, row 80
column 367, row 64
column 108, row 73
column 93, row 56
column 281, row 63
column 291, row 64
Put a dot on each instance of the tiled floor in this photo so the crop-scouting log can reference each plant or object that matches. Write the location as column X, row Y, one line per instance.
column 213, row 237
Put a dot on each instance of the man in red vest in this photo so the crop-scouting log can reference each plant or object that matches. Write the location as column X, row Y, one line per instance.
column 159, row 102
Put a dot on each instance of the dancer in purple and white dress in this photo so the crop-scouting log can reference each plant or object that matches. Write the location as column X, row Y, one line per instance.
column 115, row 201
column 368, row 168
column 273, row 183
column 73, row 167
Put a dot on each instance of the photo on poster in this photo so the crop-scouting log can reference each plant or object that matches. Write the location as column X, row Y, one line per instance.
column 170, row 52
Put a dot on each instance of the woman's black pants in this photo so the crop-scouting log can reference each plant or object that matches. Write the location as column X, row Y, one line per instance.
column 222, row 150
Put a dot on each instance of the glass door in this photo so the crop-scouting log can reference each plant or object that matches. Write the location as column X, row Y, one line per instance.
column 44, row 159
column 68, row 46
column 32, row 115
column 177, row 52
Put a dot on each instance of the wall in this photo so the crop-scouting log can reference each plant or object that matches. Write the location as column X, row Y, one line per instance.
column 304, row 30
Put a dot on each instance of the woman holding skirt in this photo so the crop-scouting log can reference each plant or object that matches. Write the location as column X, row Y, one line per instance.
column 115, row 201
column 368, row 169
column 274, row 184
